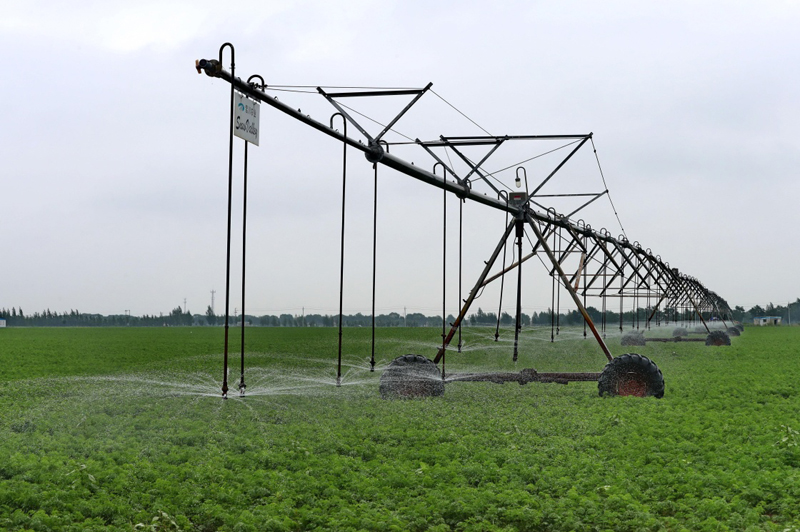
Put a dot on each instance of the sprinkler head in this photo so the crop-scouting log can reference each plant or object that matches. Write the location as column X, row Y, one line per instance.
column 338, row 382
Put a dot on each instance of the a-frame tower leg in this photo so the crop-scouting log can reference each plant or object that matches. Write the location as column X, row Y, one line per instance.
column 475, row 290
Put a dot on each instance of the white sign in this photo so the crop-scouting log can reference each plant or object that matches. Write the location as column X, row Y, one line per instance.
column 245, row 118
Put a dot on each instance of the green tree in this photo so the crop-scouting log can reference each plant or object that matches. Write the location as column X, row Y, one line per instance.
column 176, row 316
column 211, row 318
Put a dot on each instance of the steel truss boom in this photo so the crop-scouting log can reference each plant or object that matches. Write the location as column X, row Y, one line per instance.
column 610, row 267
column 213, row 69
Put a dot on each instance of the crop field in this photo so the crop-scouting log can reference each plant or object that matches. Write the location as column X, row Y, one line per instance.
column 124, row 429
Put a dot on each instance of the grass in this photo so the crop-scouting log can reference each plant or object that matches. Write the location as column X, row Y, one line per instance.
column 123, row 429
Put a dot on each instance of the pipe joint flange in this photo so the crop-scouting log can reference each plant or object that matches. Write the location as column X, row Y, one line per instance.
column 375, row 152
column 465, row 190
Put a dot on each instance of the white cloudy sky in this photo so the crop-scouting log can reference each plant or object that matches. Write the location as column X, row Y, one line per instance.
column 114, row 151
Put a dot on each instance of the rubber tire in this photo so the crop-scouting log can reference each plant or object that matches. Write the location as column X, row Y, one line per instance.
column 718, row 338
column 733, row 331
column 632, row 338
column 740, row 327
column 631, row 374
column 411, row 377
column 680, row 331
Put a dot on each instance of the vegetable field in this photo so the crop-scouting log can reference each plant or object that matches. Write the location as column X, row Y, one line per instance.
column 124, row 429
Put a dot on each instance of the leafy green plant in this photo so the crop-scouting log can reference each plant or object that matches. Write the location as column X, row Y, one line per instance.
column 162, row 522
column 789, row 437
column 82, row 478
column 126, row 430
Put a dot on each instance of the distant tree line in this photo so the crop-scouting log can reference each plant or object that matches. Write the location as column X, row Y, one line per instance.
column 15, row 317
column 74, row 318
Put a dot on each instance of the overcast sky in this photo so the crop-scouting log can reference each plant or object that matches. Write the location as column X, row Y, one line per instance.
column 114, row 151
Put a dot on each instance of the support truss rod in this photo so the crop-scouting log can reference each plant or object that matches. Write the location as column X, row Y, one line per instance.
column 418, row 94
column 572, row 292
column 567, row 158
column 475, row 290
column 479, row 141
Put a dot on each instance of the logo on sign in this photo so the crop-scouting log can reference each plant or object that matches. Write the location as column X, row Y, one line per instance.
column 246, row 119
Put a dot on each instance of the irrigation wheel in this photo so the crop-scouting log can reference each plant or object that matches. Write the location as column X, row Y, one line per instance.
column 631, row 374
column 680, row 331
column 718, row 338
column 733, row 331
column 633, row 338
column 411, row 377
column 740, row 327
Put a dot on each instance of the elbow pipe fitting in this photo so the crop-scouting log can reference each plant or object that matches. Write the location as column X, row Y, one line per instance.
column 211, row 67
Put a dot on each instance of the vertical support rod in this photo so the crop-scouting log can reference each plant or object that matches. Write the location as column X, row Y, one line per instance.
column 444, row 274
column 228, row 255
column 553, row 297
column 636, row 284
column 502, row 287
column 341, row 253
column 585, row 267
column 605, row 288
column 242, row 385
column 374, row 260
column 460, row 248
column 558, row 287
column 621, row 296
column 520, row 226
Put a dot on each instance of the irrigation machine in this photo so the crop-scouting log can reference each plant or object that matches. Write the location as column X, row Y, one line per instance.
column 583, row 262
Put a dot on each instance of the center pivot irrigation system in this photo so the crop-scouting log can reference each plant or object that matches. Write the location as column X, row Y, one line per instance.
column 582, row 261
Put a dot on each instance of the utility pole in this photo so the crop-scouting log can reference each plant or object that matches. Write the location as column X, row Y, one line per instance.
column 405, row 322
column 212, row 300
column 184, row 305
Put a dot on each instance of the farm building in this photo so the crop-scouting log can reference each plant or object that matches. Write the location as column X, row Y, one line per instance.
column 2, row 322
column 767, row 320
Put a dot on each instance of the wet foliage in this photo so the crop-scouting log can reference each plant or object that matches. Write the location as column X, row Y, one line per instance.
column 118, row 429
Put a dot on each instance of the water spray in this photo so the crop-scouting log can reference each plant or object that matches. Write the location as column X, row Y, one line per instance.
column 610, row 267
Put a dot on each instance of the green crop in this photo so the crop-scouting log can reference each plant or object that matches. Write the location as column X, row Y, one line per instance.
column 124, row 429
